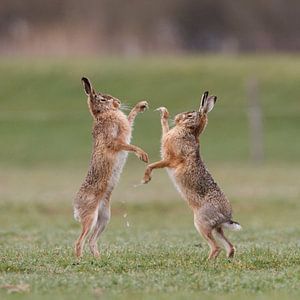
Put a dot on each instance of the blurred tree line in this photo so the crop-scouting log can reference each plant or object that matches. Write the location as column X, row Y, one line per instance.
column 136, row 27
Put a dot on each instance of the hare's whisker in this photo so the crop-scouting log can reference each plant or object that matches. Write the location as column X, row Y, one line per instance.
column 124, row 106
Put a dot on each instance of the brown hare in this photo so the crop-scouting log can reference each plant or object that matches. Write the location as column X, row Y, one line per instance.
column 180, row 152
column 111, row 135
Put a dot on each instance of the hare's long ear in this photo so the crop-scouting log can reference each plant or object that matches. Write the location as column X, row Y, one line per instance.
column 203, row 99
column 87, row 86
column 209, row 104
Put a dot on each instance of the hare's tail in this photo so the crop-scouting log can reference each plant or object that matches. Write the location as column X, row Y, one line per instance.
column 232, row 225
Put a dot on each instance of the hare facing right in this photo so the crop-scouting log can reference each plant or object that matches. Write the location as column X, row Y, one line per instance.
column 111, row 134
column 180, row 152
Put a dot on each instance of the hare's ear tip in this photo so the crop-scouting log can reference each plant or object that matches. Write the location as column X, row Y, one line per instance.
column 215, row 98
column 83, row 78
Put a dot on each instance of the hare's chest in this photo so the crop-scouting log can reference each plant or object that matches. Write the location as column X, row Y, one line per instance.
column 168, row 145
column 121, row 156
column 123, row 130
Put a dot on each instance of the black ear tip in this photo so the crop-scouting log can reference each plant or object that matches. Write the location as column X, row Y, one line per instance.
column 204, row 96
column 84, row 79
column 215, row 98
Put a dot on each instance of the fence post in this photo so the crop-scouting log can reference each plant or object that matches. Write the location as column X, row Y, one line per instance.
column 255, row 121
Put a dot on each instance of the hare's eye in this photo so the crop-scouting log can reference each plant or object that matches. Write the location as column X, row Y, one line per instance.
column 102, row 100
column 189, row 115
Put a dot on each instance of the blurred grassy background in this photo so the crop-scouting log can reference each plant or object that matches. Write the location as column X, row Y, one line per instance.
column 45, row 132
column 44, row 118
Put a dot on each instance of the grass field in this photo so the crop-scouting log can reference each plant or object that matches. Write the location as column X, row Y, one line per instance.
column 150, row 249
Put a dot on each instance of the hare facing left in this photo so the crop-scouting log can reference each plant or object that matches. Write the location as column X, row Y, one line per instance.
column 111, row 143
column 180, row 151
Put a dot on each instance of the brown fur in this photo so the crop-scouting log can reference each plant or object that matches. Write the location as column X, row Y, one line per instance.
column 111, row 138
column 180, row 151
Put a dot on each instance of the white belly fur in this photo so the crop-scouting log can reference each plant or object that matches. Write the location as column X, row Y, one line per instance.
column 116, row 172
column 176, row 184
column 171, row 174
column 117, row 169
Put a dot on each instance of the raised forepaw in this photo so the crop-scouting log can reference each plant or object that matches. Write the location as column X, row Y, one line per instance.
column 163, row 111
column 142, row 106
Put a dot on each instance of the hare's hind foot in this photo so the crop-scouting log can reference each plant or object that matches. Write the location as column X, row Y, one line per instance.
column 87, row 224
column 80, row 242
column 94, row 250
column 214, row 252
column 93, row 245
column 229, row 248
column 206, row 232
column 231, row 253
column 103, row 217
column 78, row 250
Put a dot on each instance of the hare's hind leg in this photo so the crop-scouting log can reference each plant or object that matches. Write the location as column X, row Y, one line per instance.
column 87, row 213
column 87, row 223
column 230, row 250
column 102, row 221
column 206, row 231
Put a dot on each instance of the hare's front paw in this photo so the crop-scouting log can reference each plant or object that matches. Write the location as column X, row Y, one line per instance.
column 163, row 112
column 142, row 106
column 146, row 178
column 143, row 156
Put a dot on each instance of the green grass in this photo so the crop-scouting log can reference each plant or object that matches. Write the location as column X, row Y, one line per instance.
column 157, row 253
column 45, row 148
